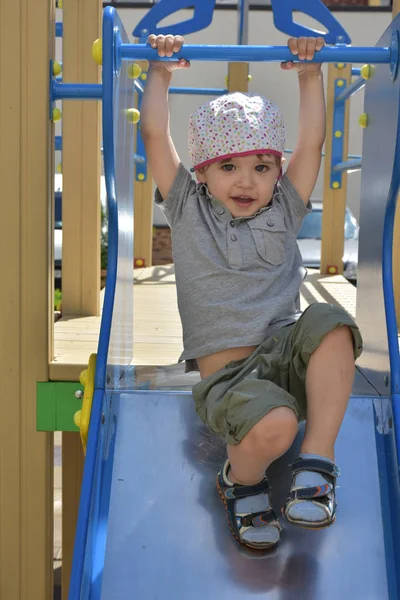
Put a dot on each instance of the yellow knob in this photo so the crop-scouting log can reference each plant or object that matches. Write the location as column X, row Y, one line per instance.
column 335, row 185
column 338, row 134
column 143, row 76
column 140, row 176
column 57, row 68
column 226, row 80
column 340, row 82
column 56, row 114
column 363, row 120
column 77, row 418
column 340, row 65
column 332, row 270
column 249, row 77
column 139, row 262
column 367, row 71
column 59, row 168
column 83, row 377
column 59, row 3
column 132, row 115
column 134, row 71
column 97, row 51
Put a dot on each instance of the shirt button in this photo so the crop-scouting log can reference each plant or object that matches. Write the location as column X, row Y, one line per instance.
column 233, row 237
column 270, row 223
column 221, row 211
column 232, row 223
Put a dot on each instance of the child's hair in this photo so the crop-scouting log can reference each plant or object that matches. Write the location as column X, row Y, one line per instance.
column 235, row 125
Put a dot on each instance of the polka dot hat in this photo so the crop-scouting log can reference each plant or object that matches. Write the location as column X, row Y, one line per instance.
column 235, row 124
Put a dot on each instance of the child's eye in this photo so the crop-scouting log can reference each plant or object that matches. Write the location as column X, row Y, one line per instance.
column 228, row 167
column 262, row 168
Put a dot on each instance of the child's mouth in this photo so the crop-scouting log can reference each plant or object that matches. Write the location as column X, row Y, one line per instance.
column 243, row 200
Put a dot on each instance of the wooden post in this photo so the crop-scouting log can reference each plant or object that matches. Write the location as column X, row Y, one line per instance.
column 333, row 214
column 81, row 163
column 238, row 77
column 81, row 222
column 26, row 467
column 396, row 234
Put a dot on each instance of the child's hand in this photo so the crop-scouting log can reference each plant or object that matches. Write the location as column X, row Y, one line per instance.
column 167, row 45
column 304, row 48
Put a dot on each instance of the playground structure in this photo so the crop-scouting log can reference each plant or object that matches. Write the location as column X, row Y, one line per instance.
column 29, row 455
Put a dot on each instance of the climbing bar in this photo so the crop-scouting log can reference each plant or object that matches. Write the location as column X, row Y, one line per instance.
column 76, row 91
column 351, row 89
column 59, row 29
column 198, row 91
column 356, row 71
column 329, row 54
column 348, row 165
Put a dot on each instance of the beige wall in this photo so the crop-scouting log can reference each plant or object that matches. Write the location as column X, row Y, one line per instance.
column 364, row 28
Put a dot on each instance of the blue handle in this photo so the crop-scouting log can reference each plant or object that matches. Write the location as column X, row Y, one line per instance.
column 371, row 55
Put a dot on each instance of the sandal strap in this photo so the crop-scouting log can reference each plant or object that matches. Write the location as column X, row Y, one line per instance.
column 318, row 491
column 243, row 491
column 259, row 519
column 316, row 464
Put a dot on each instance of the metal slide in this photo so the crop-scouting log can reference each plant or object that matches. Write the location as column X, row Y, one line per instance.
column 151, row 525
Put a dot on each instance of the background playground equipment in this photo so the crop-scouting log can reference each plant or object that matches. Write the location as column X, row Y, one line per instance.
column 100, row 560
column 27, row 324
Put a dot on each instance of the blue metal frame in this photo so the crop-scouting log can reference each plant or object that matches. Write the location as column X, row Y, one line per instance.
column 351, row 89
column 283, row 20
column 347, row 165
column 339, row 110
column 202, row 17
column 198, row 91
column 59, row 29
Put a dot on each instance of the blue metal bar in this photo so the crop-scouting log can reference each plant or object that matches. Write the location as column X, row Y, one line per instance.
column 356, row 71
column 347, row 165
column 77, row 91
column 58, row 142
column 243, row 25
column 351, row 89
column 328, row 54
column 138, row 87
column 59, row 29
column 198, row 91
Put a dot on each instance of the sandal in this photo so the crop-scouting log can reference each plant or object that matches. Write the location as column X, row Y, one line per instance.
column 260, row 530
column 322, row 496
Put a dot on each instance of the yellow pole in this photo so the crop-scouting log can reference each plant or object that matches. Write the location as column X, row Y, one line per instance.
column 81, row 224
column 26, row 457
column 332, row 244
column 81, row 163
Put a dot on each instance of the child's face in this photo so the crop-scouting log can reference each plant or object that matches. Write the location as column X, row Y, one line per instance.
column 244, row 184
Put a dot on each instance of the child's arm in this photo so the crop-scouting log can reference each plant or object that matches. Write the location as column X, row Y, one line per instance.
column 304, row 166
column 154, row 115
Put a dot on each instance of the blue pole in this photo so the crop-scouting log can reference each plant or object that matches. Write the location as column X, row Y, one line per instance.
column 59, row 29
column 139, row 87
column 351, row 89
column 198, row 91
column 328, row 54
column 77, row 91
column 243, row 28
column 290, row 151
column 58, row 142
column 356, row 71
column 347, row 165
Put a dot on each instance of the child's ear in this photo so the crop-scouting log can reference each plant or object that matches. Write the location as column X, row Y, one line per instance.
column 283, row 160
column 201, row 175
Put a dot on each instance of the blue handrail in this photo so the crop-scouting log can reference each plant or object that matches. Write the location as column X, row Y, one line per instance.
column 371, row 55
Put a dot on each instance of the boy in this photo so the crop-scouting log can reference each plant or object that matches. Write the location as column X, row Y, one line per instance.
column 264, row 366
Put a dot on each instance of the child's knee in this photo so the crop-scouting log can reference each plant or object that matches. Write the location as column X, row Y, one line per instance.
column 274, row 433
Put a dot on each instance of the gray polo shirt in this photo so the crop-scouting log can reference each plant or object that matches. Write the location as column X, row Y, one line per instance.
column 237, row 279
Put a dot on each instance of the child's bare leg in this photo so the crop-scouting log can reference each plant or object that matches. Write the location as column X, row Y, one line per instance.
column 248, row 460
column 329, row 381
column 271, row 437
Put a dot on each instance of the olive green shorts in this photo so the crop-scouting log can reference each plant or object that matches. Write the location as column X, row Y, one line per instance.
column 234, row 399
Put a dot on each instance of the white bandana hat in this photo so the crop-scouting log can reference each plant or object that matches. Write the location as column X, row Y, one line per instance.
column 235, row 125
